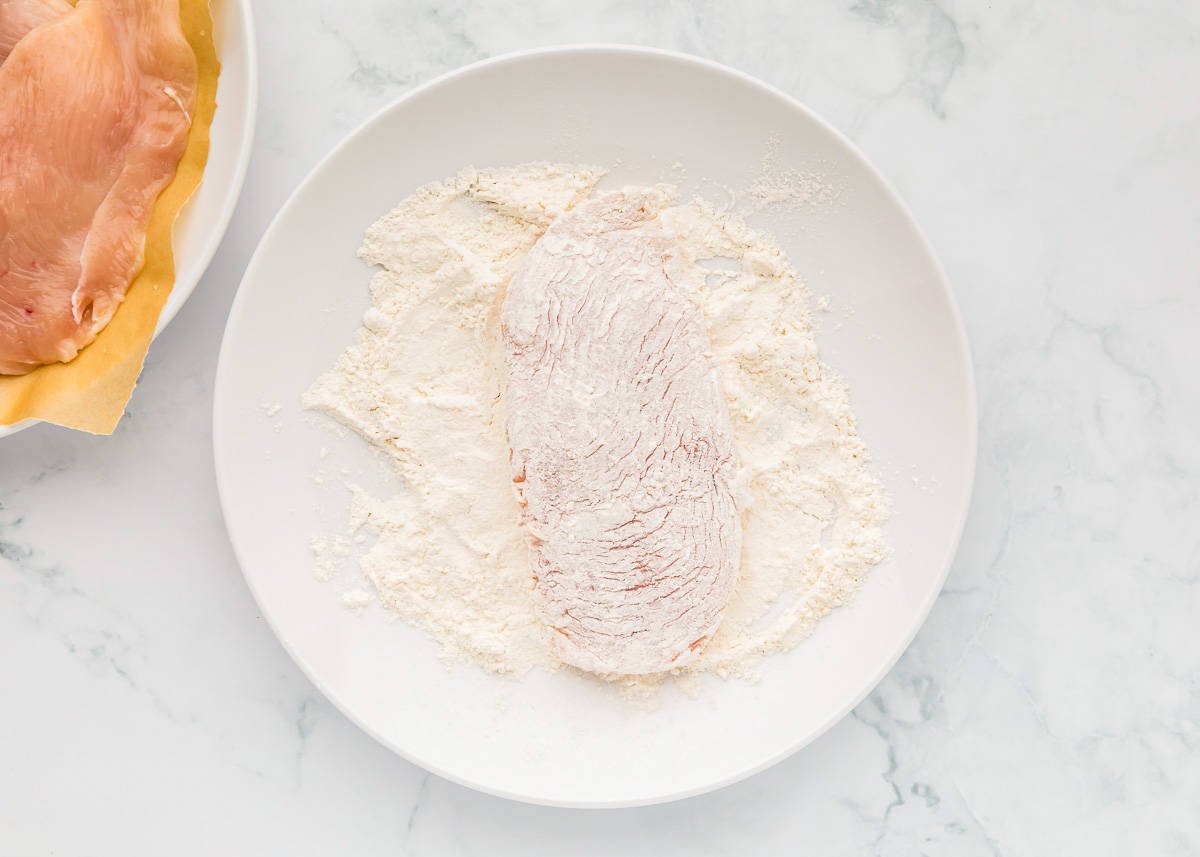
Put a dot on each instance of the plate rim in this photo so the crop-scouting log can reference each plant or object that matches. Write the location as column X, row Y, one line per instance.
column 180, row 295
column 960, row 337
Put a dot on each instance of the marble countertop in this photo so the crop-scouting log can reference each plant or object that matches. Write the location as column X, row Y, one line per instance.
column 1051, row 703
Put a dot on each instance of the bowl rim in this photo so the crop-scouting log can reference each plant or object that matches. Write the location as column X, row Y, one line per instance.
column 181, row 290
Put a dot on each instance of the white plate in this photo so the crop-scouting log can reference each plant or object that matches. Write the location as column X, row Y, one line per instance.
column 202, row 222
column 560, row 739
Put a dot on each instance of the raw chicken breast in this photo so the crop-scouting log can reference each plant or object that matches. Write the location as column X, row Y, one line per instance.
column 622, row 449
column 95, row 109
column 19, row 17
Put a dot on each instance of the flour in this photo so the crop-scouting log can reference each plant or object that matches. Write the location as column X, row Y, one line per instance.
column 814, row 525
column 780, row 185
column 422, row 382
column 790, row 187
column 355, row 599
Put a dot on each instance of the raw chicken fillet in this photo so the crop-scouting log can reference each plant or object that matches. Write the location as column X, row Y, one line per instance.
column 20, row 17
column 621, row 444
column 95, row 108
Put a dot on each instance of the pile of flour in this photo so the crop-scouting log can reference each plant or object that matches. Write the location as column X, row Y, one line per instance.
column 423, row 380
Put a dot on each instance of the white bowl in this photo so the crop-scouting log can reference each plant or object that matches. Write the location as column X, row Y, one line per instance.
column 202, row 222
column 561, row 739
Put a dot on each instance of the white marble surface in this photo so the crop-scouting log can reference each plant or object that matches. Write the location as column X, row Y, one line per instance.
column 1050, row 705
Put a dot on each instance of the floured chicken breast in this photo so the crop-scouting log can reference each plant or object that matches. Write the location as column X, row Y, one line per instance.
column 95, row 109
column 622, row 449
column 20, row 17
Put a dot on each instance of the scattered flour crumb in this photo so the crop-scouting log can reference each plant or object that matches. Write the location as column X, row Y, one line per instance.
column 355, row 599
column 271, row 408
column 328, row 555
column 322, row 563
column 777, row 185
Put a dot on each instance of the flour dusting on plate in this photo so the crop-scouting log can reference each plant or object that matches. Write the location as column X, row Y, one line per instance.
column 423, row 383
